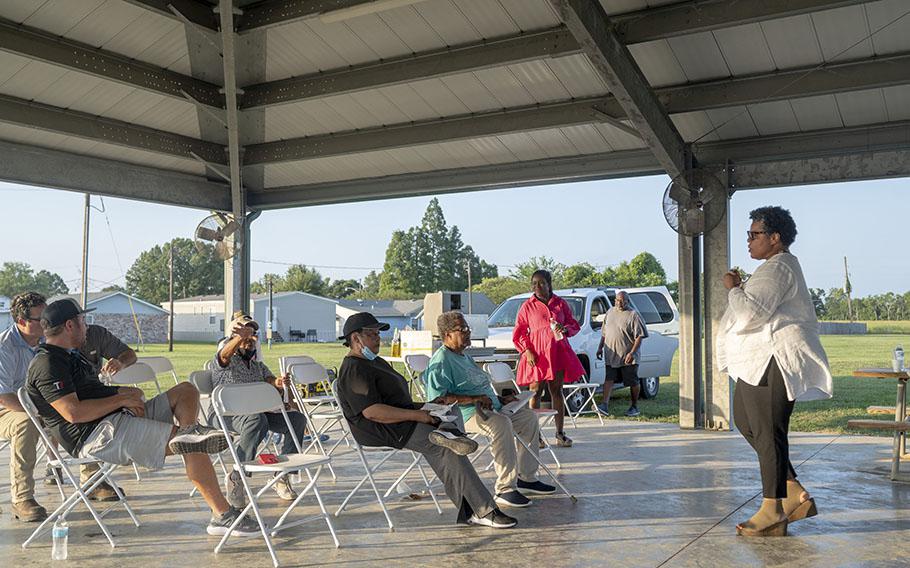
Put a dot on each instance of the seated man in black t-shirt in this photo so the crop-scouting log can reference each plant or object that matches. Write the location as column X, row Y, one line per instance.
column 376, row 402
column 114, row 424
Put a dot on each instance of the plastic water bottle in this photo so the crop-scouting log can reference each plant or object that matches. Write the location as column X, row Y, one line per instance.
column 556, row 333
column 898, row 362
column 61, row 533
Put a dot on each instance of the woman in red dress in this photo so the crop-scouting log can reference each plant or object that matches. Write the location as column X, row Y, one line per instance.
column 542, row 330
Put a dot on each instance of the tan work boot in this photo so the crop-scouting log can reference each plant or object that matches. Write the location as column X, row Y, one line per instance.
column 29, row 511
column 104, row 492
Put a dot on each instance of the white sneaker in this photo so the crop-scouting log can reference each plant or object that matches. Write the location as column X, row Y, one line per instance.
column 284, row 490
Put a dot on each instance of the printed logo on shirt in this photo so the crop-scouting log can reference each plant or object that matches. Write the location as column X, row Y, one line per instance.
column 58, row 385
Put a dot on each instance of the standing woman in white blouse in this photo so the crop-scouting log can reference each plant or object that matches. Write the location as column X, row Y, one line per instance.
column 769, row 344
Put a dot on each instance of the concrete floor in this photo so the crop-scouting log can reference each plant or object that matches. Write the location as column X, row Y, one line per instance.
column 649, row 495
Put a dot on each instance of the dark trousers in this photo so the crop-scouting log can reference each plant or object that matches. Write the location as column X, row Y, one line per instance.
column 762, row 415
column 458, row 476
column 253, row 429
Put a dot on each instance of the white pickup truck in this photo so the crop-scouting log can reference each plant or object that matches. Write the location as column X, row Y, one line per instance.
column 589, row 305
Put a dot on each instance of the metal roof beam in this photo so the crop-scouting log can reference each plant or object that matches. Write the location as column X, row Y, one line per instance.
column 197, row 12
column 698, row 16
column 498, row 176
column 270, row 13
column 484, row 55
column 84, row 125
column 588, row 22
column 43, row 167
column 813, row 157
column 852, row 76
column 524, row 119
column 36, row 44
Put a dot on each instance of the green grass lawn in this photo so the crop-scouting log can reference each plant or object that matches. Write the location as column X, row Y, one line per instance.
column 845, row 353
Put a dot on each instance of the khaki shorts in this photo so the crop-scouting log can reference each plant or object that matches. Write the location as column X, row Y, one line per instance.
column 123, row 438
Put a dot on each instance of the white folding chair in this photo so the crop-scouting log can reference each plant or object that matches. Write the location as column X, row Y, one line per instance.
column 105, row 473
column 370, row 470
column 585, row 391
column 414, row 366
column 161, row 365
column 256, row 398
column 284, row 363
column 321, row 411
column 502, row 376
column 135, row 375
column 202, row 380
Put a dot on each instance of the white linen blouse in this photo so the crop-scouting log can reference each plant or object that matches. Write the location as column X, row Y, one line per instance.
column 772, row 315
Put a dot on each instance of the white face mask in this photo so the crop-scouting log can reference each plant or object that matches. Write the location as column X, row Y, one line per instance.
column 368, row 353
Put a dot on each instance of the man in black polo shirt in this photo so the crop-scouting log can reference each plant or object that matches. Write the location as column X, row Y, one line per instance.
column 115, row 424
column 375, row 401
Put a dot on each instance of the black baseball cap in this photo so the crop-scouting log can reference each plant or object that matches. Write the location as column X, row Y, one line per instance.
column 61, row 311
column 360, row 321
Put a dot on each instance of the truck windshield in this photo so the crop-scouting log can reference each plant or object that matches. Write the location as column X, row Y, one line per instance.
column 507, row 312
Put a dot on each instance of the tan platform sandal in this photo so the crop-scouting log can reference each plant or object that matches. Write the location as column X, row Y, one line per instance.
column 777, row 529
column 804, row 510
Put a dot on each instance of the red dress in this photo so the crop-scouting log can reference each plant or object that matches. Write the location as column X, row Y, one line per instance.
column 532, row 331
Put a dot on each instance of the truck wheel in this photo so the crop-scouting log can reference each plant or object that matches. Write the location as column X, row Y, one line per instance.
column 649, row 387
column 575, row 400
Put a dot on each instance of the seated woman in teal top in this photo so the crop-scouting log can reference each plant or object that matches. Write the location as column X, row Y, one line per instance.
column 453, row 377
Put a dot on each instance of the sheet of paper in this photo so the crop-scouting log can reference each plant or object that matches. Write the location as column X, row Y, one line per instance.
column 521, row 401
column 444, row 412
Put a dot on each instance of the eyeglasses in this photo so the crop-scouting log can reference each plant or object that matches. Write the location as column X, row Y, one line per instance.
column 33, row 319
column 464, row 329
column 750, row 235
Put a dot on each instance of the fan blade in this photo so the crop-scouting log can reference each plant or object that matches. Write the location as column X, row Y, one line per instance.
column 229, row 228
column 221, row 218
column 206, row 234
column 224, row 250
column 680, row 194
column 693, row 221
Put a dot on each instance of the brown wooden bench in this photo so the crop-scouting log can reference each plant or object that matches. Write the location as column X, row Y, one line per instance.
column 880, row 410
column 890, row 425
column 887, row 425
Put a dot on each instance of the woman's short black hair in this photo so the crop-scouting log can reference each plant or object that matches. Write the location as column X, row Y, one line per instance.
column 776, row 220
column 545, row 274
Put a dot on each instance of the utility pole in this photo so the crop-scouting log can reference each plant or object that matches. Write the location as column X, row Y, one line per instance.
column 170, row 288
column 268, row 329
column 848, row 289
column 470, row 295
column 85, row 231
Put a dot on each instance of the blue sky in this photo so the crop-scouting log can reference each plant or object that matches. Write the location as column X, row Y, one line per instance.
column 599, row 222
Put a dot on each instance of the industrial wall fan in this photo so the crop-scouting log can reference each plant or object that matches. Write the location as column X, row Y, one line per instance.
column 213, row 231
column 685, row 202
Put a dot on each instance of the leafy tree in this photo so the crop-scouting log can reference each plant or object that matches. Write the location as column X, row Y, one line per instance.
column 580, row 275
column 524, row 270
column 371, row 284
column 343, row 289
column 501, row 287
column 643, row 270
column 114, row 288
column 298, row 278
column 426, row 258
column 18, row 277
column 195, row 272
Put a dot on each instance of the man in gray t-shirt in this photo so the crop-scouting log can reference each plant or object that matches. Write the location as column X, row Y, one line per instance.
column 620, row 342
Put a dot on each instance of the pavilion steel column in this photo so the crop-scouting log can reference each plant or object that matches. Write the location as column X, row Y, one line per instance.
column 690, row 358
column 718, row 386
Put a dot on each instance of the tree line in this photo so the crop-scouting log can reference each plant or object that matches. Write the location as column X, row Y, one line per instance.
column 427, row 257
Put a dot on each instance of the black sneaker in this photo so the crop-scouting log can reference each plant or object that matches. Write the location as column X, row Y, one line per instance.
column 496, row 519
column 633, row 411
column 512, row 499
column 603, row 409
column 536, row 487
column 219, row 526
column 53, row 476
column 198, row 439
column 461, row 445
